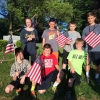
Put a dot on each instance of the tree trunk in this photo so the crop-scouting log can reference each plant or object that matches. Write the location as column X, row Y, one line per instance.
column 10, row 24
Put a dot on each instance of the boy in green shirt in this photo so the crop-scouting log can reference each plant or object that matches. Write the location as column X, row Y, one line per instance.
column 76, row 59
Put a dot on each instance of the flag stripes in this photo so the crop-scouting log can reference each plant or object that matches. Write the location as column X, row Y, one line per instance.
column 92, row 39
column 61, row 39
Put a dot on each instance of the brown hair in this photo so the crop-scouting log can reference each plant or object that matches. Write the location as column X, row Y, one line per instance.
column 18, row 50
column 72, row 22
column 78, row 40
column 91, row 14
column 47, row 46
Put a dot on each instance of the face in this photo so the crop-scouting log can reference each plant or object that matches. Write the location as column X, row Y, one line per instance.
column 91, row 19
column 47, row 51
column 72, row 27
column 52, row 25
column 20, row 56
column 79, row 45
column 28, row 23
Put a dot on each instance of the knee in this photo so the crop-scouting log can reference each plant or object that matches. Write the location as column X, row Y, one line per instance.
column 7, row 90
column 41, row 91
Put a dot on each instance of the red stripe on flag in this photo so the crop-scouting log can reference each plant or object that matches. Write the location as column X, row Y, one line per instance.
column 35, row 73
column 92, row 39
column 61, row 39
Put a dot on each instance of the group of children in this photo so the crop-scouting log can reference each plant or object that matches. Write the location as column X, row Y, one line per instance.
column 74, row 56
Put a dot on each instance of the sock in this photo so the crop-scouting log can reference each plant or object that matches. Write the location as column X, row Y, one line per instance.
column 96, row 75
column 87, row 74
column 32, row 88
column 55, row 84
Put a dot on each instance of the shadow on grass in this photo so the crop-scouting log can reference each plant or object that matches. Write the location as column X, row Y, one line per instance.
column 62, row 90
column 92, row 83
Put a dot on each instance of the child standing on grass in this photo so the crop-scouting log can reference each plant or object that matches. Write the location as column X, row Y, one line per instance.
column 76, row 58
column 51, row 72
column 49, row 36
column 18, row 72
column 70, row 44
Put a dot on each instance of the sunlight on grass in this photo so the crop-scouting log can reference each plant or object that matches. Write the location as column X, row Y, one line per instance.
column 83, row 92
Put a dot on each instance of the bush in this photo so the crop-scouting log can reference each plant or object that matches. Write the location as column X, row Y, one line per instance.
column 19, row 44
column 3, row 44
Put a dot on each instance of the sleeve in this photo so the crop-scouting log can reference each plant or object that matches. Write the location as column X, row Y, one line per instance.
column 83, row 34
column 55, row 60
column 12, row 71
column 22, row 37
column 28, row 65
column 70, row 56
column 78, row 35
column 66, row 34
column 36, row 34
column 44, row 34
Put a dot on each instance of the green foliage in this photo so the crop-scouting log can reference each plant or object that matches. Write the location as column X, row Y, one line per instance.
column 3, row 44
column 19, row 44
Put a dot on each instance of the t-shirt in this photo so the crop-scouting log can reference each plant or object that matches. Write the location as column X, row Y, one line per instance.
column 20, row 67
column 49, row 63
column 86, row 31
column 73, row 36
column 77, row 58
column 50, row 36
column 29, row 46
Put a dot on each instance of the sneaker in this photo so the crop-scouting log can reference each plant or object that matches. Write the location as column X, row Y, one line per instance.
column 54, row 89
column 68, row 96
column 33, row 93
column 18, row 91
column 97, row 81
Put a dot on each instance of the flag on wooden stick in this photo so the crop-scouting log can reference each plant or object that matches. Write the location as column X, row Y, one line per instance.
column 61, row 39
column 10, row 45
column 92, row 39
column 35, row 71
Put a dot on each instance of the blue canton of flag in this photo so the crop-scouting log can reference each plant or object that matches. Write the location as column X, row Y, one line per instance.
column 9, row 46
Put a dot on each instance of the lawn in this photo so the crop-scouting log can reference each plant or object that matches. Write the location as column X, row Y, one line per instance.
column 85, row 91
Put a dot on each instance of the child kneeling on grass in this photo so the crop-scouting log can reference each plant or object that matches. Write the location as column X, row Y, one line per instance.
column 76, row 59
column 51, row 72
column 18, row 72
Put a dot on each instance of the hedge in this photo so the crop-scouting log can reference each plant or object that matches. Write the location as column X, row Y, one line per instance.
column 3, row 44
column 19, row 44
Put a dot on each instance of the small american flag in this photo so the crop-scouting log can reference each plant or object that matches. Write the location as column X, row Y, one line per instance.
column 61, row 39
column 9, row 46
column 92, row 39
column 35, row 71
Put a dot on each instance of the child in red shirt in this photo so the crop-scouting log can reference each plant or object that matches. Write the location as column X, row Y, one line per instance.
column 51, row 71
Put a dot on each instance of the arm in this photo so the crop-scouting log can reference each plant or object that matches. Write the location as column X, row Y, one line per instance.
column 22, row 37
column 72, row 70
column 43, row 42
column 58, row 68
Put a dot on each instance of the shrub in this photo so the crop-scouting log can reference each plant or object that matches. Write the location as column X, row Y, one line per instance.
column 19, row 44
column 3, row 44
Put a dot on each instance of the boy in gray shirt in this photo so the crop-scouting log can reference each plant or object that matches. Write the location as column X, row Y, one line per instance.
column 69, row 44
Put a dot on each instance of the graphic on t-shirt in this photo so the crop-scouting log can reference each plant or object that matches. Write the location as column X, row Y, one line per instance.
column 77, row 56
column 48, row 63
column 51, row 34
column 71, row 36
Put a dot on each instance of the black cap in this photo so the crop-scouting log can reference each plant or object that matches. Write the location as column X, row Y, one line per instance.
column 52, row 20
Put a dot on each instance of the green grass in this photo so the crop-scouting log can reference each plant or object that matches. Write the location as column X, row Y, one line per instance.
column 83, row 92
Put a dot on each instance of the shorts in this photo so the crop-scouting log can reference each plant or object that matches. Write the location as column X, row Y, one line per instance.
column 17, row 84
column 77, row 77
column 56, row 54
column 65, row 55
column 95, row 58
column 46, row 82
